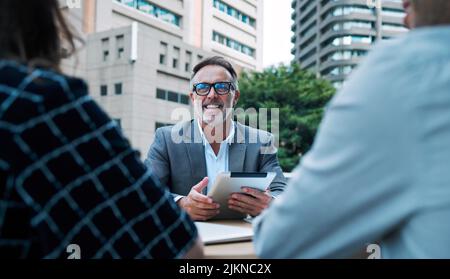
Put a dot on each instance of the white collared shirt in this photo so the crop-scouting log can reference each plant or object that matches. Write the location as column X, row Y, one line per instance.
column 216, row 164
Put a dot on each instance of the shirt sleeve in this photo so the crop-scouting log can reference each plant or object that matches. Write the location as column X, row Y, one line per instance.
column 351, row 189
column 158, row 163
column 157, row 158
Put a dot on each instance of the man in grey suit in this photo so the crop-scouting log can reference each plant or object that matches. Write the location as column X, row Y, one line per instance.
column 188, row 156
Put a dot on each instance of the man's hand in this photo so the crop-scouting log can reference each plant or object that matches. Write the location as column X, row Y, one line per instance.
column 253, row 202
column 198, row 206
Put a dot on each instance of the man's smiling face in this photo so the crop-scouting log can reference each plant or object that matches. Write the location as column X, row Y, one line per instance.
column 213, row 108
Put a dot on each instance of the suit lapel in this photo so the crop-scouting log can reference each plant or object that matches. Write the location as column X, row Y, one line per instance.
column 236, row 152
column 195, row 151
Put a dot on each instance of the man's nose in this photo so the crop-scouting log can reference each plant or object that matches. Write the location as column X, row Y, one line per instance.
column 212, row 93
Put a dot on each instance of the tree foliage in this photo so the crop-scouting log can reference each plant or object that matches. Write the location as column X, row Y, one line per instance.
column 300, row 97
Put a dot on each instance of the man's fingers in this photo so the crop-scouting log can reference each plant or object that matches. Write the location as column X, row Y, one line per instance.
column 203, row 205
column 206, row 212
column 252, row 211
column 202, row 214
column 201, row 185
column 248, row 200
column 200, row 197
column 245, row 205
column 238, row 208
column 256, row 193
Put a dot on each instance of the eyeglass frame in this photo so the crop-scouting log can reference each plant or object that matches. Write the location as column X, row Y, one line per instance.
column 211, row 85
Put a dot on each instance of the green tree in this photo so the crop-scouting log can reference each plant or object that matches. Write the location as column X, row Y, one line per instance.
column 300, row 97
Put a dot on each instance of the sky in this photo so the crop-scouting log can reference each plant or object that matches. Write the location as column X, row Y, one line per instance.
column 277, row 32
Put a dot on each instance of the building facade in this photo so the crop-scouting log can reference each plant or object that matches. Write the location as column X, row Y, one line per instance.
column 331, row 36
column 137, row 55
column 231, row 28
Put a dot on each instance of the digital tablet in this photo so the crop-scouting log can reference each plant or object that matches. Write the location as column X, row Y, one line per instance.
column 227, row 183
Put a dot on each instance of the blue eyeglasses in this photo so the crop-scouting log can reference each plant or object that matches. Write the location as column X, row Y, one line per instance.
column 221, row 88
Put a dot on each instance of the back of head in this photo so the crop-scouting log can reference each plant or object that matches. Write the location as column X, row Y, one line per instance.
column 431, row 12
column 34, row 32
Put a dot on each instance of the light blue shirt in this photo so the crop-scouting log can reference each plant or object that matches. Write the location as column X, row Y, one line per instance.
column 216, row 164
column 379, row 170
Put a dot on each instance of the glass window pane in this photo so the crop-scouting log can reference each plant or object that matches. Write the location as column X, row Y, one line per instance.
column 160, row 94
column 172, row 96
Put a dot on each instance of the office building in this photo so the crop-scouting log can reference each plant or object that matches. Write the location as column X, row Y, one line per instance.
column 331, row 36
column 138, row 55
column 231, row 28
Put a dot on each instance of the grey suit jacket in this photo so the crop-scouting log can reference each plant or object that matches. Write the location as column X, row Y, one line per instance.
column 177, row 156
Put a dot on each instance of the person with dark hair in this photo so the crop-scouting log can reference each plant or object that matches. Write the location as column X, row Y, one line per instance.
column 67, row 174
column 213, row 143
column 376, row 178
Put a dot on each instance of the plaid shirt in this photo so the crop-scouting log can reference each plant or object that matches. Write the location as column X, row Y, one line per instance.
column 68, row 176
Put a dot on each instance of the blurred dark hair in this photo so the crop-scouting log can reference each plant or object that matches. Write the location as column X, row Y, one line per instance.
column 35, row 32
column 218, row 61
column 431, row 12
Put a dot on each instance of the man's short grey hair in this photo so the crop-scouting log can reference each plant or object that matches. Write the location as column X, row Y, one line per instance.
column 218, row 61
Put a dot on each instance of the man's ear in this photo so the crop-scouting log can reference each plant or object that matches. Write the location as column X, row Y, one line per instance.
column 410, row 14
column 191, row 95
column 237, row 94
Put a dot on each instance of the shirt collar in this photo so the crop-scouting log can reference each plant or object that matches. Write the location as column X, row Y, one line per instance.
column 228, row 140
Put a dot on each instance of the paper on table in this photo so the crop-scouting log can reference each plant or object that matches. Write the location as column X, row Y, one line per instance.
column 214, row 233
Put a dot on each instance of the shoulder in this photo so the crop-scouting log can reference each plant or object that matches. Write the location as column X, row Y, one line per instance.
column 27, row 92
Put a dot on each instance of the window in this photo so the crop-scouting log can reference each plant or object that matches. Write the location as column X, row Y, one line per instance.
column 231, row 11
column 120, row 46
column 176, row 57
column 172, row 96
column 340, row 70
column 349, row 9
column 161, row 94
column 187, row 65
column 347, row 25
column 184, row 99
column 344, row 55
column 162, row 53
column 120, row 53
column 393, row 12
column 118, row 88
column 394, row 27
column 105, row 55
column 348, row 40
column 153, row 10
column 105, row 48
column 103, row 90
column 224, row 40
column 175, row 63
